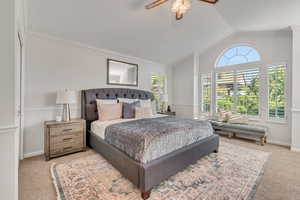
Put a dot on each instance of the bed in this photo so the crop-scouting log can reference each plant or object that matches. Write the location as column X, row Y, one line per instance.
column 150, row 169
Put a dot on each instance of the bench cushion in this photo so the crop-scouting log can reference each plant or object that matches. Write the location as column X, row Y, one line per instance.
column 246, row 128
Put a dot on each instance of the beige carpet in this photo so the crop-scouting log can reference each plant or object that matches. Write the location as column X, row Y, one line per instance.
column 231, row 174
column 281, row 180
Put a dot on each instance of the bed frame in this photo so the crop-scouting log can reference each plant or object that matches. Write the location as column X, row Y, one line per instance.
column 144, row 176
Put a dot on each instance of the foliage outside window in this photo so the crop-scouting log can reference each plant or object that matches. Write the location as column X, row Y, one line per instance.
column 157, row 88
column 238, row 91
column 206, row 92
column 247, row 83
column 276, row 76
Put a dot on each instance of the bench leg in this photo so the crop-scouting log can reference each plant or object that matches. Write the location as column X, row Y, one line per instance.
column 265, row 139
column 262, row 141
column 230, row 135
column 146, row 195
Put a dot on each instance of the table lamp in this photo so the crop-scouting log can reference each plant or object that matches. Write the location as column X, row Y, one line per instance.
column 65, row 98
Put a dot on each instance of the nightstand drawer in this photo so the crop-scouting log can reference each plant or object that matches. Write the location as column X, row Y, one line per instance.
column 67, row 138
column 67, row 129
column 65, row 148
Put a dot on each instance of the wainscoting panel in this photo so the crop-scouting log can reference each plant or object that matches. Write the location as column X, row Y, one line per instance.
column 9, row 154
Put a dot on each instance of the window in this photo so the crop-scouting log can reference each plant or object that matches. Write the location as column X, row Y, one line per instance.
column 238, row 91
column 238, row 55
column 277, row 76
column 225, row 91
column 206, row 92
column 158, row 88
column 247, row 83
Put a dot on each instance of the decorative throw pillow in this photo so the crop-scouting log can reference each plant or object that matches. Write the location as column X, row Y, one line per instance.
column 129, row 109
column 224, row 116
column 145, row 102
column 109, row 111
column 126, row 100
column 143, row 112
column 107, row 101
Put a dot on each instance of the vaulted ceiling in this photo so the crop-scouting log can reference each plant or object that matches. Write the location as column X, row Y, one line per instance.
column 126, row 27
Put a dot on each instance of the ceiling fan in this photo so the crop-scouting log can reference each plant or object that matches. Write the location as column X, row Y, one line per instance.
column 179, row 6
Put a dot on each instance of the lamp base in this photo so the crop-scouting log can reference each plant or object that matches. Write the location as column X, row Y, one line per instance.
column 66, row 113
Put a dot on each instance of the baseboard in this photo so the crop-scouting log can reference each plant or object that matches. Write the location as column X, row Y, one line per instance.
column 295, row 149
column 32, row 154
column 278, row 143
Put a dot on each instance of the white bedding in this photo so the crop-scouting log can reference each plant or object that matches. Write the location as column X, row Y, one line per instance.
column 98, row 127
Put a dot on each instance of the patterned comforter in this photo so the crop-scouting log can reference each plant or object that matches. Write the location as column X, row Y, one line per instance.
column 147, row 139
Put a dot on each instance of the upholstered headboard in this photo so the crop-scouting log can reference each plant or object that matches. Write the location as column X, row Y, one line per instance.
column 89, row 110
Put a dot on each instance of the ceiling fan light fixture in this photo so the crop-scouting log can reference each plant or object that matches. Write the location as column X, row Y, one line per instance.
column 181, row 6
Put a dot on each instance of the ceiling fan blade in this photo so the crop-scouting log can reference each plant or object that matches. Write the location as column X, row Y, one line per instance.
column 155, row 4
column 210, row 1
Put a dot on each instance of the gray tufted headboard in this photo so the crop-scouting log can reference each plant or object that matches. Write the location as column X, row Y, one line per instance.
column 89, row 110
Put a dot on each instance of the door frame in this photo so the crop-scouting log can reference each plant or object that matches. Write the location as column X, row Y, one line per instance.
column 19, row 91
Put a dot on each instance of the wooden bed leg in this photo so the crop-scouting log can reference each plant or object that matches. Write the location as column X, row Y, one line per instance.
column 216, row 151
column 146, row 195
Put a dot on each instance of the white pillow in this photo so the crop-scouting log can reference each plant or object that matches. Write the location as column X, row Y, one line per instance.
column 107, row 101
column 145, row 103
column 126, row 100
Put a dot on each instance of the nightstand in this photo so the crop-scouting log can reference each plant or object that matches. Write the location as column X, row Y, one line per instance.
column 62, row 138
column 167, row 113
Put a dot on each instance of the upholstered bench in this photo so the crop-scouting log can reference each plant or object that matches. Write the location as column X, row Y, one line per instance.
column 250, row 131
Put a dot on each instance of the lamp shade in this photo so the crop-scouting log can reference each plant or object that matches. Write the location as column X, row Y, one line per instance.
column 66, row 97
column 164, row 97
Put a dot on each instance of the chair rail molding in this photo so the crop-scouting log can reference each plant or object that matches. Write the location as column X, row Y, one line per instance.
column 8, row 129
column 295, row 109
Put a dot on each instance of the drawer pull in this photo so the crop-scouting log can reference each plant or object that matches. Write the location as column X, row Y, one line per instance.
column 66, row 130
column 67, row 139
column 67, row 148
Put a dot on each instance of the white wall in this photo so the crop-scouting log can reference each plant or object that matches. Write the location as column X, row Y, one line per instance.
column 274, row 46
column 7, row 62
column 183, row 87
column 8, row 137
column 53, row 64
column 295, row 90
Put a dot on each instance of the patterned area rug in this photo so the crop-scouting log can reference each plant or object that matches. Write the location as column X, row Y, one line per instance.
column 232, row 174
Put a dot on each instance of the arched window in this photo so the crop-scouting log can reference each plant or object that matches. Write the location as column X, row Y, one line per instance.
column 238, row 55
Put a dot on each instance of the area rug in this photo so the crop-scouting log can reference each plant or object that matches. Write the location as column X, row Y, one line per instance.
column 232, row 174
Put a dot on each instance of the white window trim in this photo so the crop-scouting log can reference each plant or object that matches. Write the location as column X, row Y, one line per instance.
column 235, row 46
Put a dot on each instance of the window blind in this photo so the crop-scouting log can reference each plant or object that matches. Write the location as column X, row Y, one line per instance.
column 225, row 91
